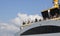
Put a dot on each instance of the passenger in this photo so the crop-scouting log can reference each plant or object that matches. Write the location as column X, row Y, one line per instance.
column 28, row 22
column 51, row 17
column 36, row 20
column 39, row 19
column 24, row 23
column 55, row 16
column 31, row 21
column 44, row 19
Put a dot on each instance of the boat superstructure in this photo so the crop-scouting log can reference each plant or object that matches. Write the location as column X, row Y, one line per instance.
column 50, row 25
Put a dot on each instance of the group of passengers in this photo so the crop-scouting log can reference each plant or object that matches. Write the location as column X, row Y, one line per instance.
column 36, row 20
column 55, row 15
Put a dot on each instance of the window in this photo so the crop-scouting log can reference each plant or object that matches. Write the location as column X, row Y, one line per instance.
column 42, row 30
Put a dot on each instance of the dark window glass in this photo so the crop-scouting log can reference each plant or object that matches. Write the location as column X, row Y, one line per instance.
column 42, row 30
column 45, row 14
column 54, row 12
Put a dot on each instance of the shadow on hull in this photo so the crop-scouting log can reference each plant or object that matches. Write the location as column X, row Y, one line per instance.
column 42, row 30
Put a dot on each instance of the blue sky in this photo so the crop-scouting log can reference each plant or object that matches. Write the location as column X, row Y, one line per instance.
column 10, row 8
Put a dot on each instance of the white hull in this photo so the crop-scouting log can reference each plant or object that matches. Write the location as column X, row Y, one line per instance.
column 42, row 23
